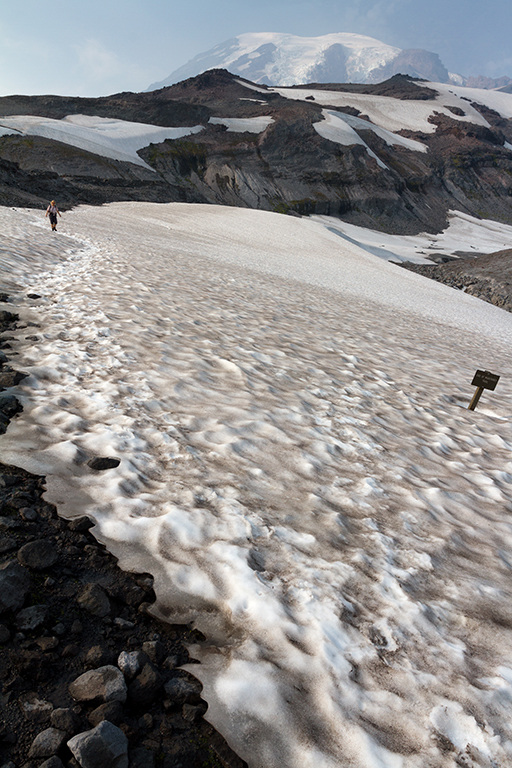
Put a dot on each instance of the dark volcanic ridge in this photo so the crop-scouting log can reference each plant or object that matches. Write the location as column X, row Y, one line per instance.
column 287, row 168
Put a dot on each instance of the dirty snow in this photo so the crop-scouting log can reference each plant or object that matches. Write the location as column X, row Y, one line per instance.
column 299, row 469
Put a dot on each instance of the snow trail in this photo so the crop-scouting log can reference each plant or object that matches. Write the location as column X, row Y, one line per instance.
column 299, row 470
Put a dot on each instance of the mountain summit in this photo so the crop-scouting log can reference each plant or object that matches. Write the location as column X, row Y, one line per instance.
column 273, row 58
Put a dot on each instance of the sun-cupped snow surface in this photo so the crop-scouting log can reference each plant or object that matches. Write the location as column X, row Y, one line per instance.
column 396, row 114
column 465, row 235
column 299, row 469
column 243, row 124
column 115, row 139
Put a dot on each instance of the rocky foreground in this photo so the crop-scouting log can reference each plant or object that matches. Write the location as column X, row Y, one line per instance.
column 88, row 678
column 488, row 276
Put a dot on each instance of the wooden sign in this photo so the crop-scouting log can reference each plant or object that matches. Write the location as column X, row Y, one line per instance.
column 482, row 380
column 485, row 380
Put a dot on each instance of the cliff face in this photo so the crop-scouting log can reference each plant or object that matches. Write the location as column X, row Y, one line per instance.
column 282, row 165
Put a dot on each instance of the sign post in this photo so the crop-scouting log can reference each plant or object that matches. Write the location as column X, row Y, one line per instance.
column 482, row 380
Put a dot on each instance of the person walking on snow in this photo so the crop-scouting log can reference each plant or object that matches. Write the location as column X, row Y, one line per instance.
column 52, row 212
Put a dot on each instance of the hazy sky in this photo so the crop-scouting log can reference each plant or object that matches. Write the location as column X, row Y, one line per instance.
column 98, row 47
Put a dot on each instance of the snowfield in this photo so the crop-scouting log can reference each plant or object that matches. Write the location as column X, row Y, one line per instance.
column 299, row 469
column 394, row 114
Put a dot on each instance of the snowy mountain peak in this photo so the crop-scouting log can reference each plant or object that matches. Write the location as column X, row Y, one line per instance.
column 276, row 58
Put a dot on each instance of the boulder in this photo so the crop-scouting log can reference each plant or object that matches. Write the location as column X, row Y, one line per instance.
column 111, row 711
column 145, row 688
column 101, row 685
column 104, row 745
column 181, row 690
column 14, row 586
column 35, row 708
column 47, row 743
column 94, row 599
column 65, row 719
column 131, row 662
column 32, row 617
column 39, row 555
column 52, row 762
column 155, row 650
column 99, row 656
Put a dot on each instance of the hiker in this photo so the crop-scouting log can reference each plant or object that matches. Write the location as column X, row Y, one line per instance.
column 52, row 212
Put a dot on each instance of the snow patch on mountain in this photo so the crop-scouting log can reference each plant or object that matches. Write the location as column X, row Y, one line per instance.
column 353, row 124
column 115, row 139
column 394, row 114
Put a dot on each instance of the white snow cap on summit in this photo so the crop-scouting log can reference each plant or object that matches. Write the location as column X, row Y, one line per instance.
column 277, row 58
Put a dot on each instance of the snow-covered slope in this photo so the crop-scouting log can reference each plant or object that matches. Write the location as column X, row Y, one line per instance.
column 281, row 59
column 116, row 139
column 298, row 468
column 414, row 115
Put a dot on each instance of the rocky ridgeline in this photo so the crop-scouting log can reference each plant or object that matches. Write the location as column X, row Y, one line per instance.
column 88, row 678
column 287, row 168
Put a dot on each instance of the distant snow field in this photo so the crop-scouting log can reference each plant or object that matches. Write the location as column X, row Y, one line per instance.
column 395, row 114
column 465, row 235
column 299, row 469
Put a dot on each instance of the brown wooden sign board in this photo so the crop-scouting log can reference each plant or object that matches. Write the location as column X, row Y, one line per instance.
column 485, row 379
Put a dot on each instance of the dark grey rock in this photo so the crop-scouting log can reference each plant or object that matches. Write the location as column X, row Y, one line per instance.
column 32, row 617
column 47, row 643
column 65, row 719
column 14, row 586
column 94, row 599
column 105, row 745
column 100, row 463
column 171, row 662
column 52, row 762
column 155, row 650
column 111, row 711
column 28, row 514
column 131, row 663
column 39, row 555
column 103, row 684
column 193, row 712
column 9, row 524
column 5, row 635
column 47, row 743
column 145, row 688
column 7, row 544
column 182, row 689
column 80, row 524
column 142, row 758
column 99, row 656
column 35, row 709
